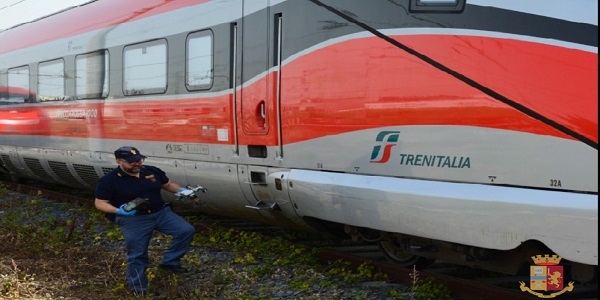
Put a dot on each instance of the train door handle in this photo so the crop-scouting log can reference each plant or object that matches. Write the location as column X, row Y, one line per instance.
column 263, row 113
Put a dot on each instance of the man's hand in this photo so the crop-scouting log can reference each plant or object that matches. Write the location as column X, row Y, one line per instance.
column 122, row 212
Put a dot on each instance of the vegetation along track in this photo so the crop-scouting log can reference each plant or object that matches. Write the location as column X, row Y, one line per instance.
column 440, row 278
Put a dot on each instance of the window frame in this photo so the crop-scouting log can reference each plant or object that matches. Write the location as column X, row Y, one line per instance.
column 52, row 79
column 128, row 49
column 10, row 89
column 436, row 6
column 90, row 57
column 199, row 35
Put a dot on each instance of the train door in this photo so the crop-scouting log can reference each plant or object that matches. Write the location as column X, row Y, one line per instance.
column 258, row 119
column 257, row 102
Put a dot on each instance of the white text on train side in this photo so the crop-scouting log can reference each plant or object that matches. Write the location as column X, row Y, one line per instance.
column 77, row 113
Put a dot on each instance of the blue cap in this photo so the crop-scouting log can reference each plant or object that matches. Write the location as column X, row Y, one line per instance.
column 128, row 153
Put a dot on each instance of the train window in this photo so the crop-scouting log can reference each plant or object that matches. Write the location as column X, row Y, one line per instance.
column 145, row 68
column 17, row 86
column 91, row 75
column 440, row 6
column 51, row 80
column 199, row 60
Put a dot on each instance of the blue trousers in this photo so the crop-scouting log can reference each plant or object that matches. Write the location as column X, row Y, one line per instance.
column 138, row 230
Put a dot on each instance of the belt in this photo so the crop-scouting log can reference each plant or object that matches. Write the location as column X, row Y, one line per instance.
column 149, row 211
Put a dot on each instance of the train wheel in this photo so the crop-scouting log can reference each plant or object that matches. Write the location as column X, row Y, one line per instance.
column 393, row 250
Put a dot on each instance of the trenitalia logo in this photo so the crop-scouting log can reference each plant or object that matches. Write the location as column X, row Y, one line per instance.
column 381, row 153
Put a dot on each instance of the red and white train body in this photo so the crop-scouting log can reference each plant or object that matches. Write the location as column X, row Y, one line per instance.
column 462, row 130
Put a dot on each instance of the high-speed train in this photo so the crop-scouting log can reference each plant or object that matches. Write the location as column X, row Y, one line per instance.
column 458, row 130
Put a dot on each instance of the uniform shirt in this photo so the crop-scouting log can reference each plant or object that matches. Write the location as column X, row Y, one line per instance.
column 119, row 188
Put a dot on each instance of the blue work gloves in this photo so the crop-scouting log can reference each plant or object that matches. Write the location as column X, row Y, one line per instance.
column 187, row 193
column 122, row 212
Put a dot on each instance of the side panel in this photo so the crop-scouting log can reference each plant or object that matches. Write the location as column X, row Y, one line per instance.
column 448, row 96
column 487, row 216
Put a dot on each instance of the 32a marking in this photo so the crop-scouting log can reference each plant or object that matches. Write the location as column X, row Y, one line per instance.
column 555, row 183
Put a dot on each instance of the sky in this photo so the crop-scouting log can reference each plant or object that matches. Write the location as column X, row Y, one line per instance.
column 13, row 12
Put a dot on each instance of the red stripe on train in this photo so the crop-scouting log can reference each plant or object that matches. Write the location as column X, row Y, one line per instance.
column 370, row 82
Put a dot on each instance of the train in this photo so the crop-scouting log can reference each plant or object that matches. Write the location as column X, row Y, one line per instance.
column 463, row 131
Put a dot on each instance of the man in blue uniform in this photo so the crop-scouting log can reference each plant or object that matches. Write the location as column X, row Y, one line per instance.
column 131, row 180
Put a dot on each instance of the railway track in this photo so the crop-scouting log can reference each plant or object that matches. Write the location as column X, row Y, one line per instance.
column 464, row 284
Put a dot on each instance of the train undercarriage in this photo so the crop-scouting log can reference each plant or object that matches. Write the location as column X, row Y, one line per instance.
column 411, row 251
